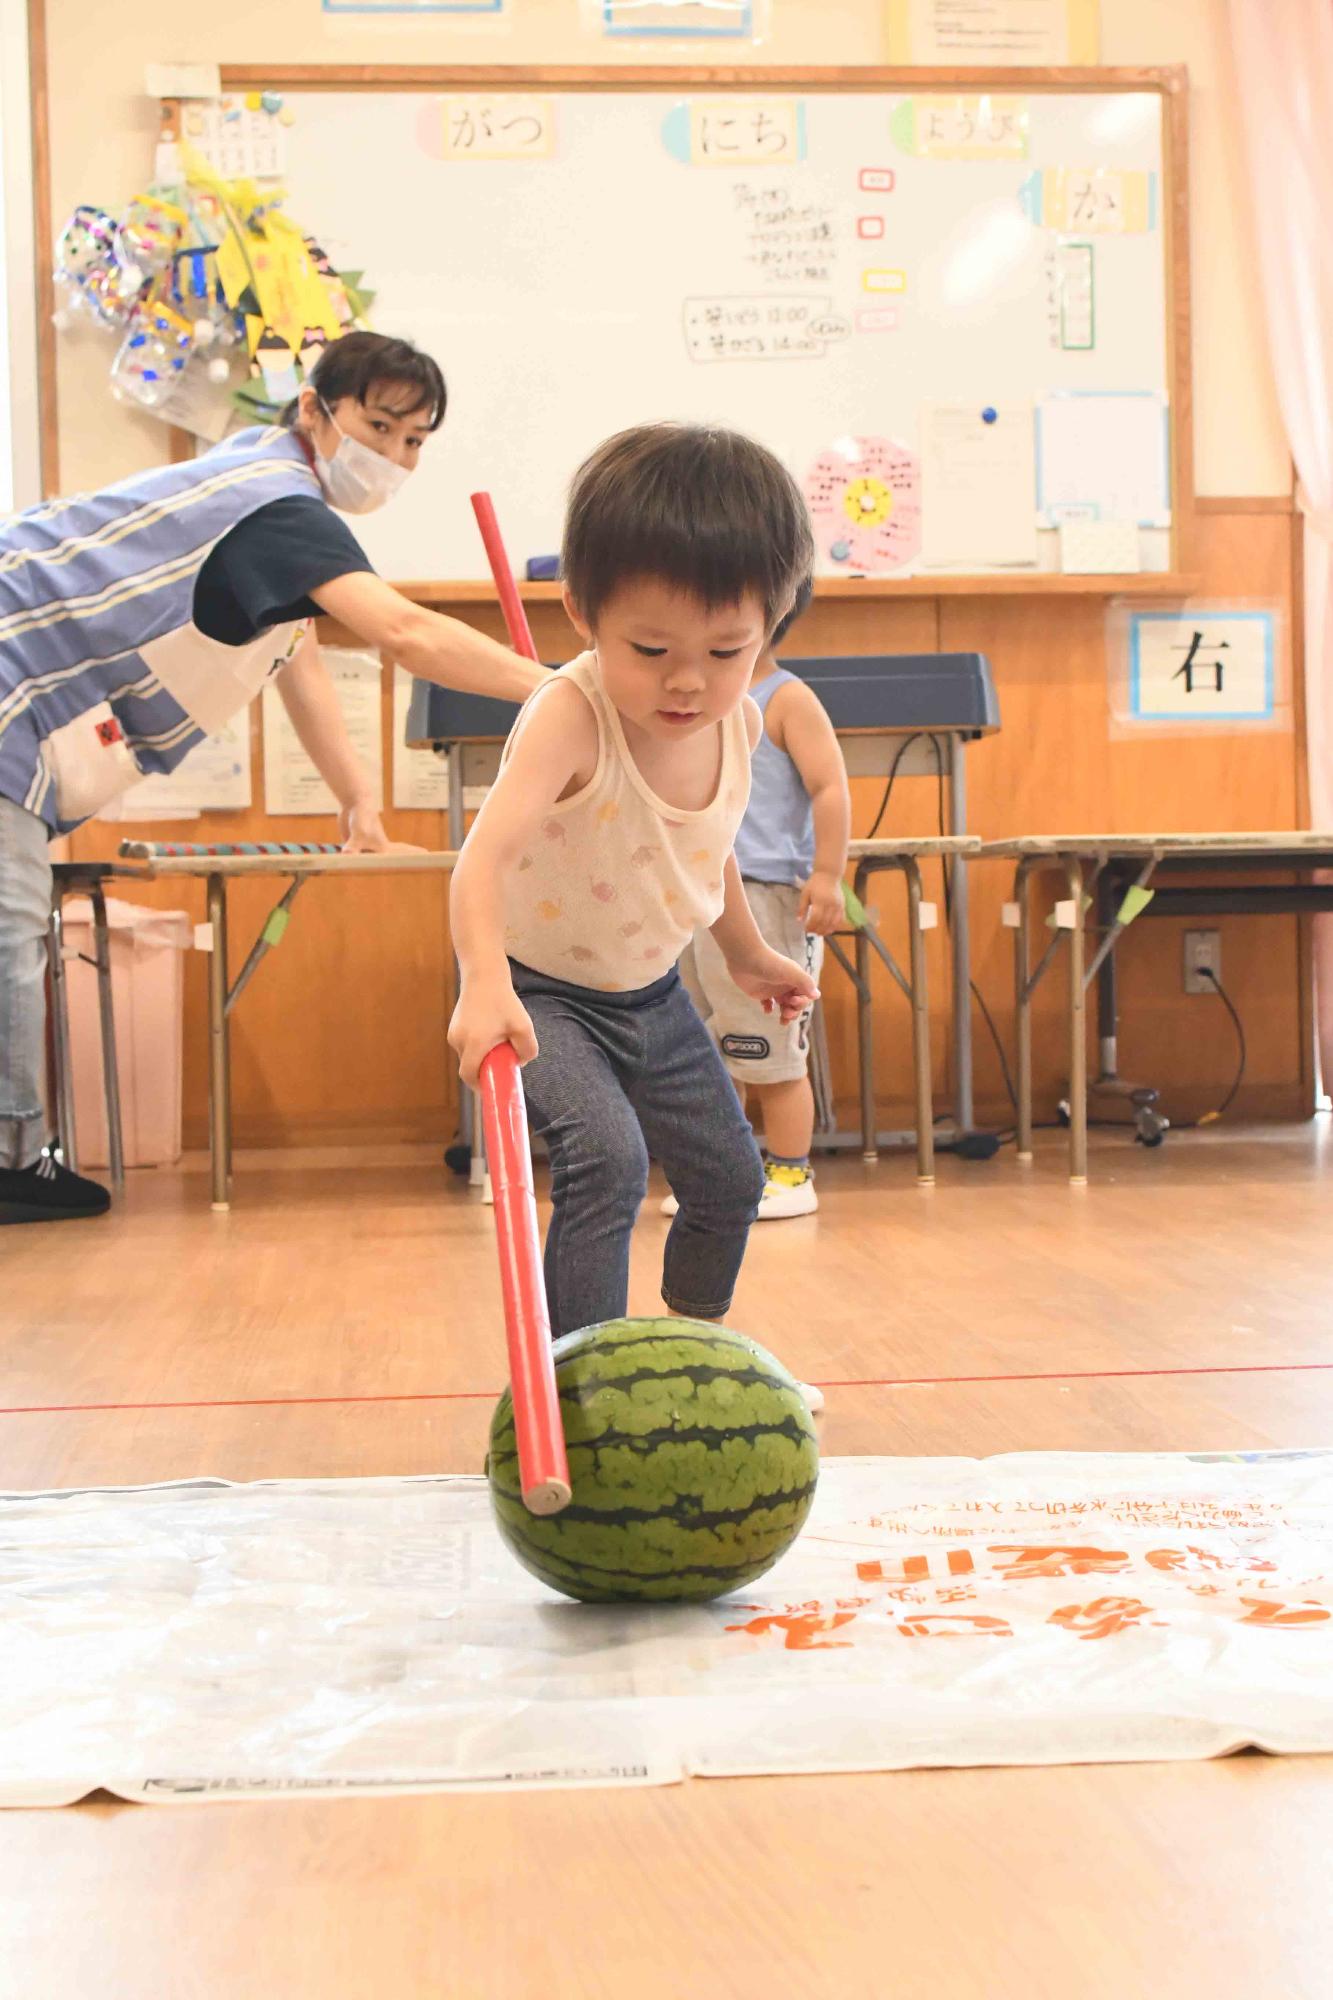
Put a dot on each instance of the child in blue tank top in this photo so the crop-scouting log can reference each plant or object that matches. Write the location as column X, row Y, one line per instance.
column 792, row 853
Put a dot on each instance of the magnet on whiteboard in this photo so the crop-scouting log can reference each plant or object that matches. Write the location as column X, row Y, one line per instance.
column 1010, row 916
column 840, row 551
column 989, row 414
column 927, row 916
column 203, row 937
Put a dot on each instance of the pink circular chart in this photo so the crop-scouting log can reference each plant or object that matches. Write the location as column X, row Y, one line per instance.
column 864, row 496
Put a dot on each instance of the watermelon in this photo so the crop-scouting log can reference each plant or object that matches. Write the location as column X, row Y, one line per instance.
column 692, row 1458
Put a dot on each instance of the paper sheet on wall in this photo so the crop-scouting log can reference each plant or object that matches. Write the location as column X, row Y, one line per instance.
column 978, row 486
column 1104, row 452
column 291, row 782
column 1027, row 33
column 420, row 777
column 215, row 777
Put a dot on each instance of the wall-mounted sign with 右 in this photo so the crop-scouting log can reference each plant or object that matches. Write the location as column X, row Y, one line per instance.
column 736, row 131
column 1201, row 666
column 961, row 128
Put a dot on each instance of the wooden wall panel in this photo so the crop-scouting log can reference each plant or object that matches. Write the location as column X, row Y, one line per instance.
column 1059, row 766
column 341, row 1036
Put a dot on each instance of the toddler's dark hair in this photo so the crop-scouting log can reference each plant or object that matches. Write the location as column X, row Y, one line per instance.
column 707, row 510
column 804, row 592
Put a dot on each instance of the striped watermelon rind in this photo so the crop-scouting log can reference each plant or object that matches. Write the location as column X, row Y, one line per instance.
column 693, row 1461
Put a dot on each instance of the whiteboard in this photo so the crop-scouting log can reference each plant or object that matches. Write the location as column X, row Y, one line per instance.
column 902, row 254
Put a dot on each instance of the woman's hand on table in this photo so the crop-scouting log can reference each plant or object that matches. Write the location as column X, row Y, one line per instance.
column 362, row 831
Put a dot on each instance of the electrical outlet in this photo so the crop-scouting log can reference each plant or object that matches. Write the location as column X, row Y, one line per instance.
column 1203, row 954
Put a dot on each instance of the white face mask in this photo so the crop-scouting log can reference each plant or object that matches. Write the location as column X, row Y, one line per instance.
column 356, row 480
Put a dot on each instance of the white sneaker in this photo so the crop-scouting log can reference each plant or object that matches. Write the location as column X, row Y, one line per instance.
column 814, row 1398
column 784, row 1196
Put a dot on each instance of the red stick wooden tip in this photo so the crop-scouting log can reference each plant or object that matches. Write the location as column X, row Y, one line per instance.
column 516, row 618
column 543, row 1467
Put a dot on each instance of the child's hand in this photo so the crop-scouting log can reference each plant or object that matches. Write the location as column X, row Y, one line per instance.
column 822, row 909
column 489, row 1012
column 776, row 983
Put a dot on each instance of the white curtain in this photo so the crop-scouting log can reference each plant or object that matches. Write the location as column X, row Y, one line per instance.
column 1284, row 69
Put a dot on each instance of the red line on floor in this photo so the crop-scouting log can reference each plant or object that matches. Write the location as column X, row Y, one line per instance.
column 249, row 1403
column 490, row 1395
column 1076, row 1375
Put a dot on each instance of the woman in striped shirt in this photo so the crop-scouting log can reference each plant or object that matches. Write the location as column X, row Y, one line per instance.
column 138, row 620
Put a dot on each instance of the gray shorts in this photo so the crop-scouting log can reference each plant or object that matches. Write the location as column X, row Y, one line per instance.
column 755, row 1046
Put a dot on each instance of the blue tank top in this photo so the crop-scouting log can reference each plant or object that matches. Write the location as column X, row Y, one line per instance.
column 776, row 842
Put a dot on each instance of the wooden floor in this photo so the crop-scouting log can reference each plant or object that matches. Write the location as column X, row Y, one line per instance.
column 343, row 1320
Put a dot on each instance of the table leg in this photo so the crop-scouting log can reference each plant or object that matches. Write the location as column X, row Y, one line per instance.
column 925, row 1109
column 960, row 943
column 110, row 1066
column 1078, row 1041
column 865, row 1032
column 1110, row 893
column 469, row 1108
column 55, row 955
column 1023, row 1007
column 219, row 1066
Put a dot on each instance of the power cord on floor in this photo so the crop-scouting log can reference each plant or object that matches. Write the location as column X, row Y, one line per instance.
column 999, row 1045
column 1211, row 1117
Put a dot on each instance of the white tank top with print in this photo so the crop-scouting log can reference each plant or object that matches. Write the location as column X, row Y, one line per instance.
column 616, row 881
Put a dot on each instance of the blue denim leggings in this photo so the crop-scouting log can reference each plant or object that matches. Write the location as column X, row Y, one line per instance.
column 620, row 1076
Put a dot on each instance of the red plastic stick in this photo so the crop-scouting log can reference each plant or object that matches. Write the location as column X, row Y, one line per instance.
column 543, row 1467
column 516, row 618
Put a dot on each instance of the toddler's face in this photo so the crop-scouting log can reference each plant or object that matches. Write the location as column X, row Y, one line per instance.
column 671, row 666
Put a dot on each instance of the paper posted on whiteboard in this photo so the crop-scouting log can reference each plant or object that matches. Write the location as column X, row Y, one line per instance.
column 1106, row 455
column 977, row 486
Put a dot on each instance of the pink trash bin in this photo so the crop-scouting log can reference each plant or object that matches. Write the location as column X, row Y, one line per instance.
column 147, row 986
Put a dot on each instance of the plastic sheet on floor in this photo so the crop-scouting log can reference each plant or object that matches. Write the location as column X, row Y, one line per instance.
column 206, row 1641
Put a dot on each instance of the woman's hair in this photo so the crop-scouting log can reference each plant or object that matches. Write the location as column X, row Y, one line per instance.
column 707, row 511
column 360, row 362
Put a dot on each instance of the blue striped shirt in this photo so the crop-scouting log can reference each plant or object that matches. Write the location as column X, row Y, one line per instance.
column 96, row 618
